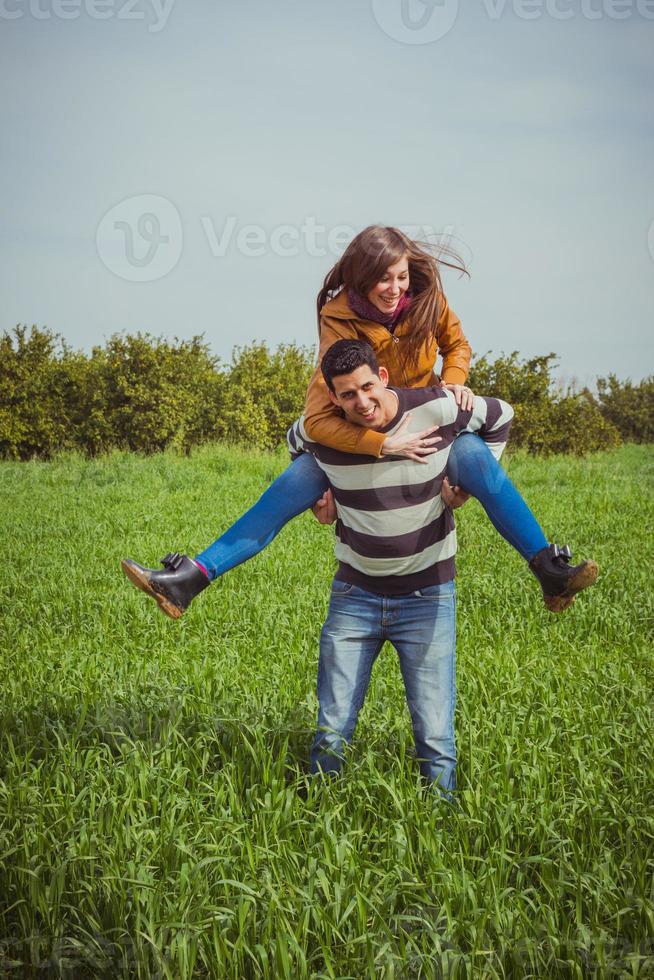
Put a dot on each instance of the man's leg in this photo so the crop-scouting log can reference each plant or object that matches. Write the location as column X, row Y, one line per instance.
column 349, row 645
column 424, row 635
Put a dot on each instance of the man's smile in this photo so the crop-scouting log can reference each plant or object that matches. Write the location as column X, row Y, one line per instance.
column 364, row 397
column 369, row 413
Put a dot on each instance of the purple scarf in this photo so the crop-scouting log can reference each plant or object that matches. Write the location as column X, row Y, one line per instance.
column 368, row 311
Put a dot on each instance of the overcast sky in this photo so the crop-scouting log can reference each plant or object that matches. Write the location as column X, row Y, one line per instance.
column 186, row 166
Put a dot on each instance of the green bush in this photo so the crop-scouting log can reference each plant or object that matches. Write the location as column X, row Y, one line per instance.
column 138, row 393
column 567, row 424
column 546, row 420
column 516, row 381
column 153, row 390
column 32, row 416
column 144, row 393
column 265, row 393
column 629, row 407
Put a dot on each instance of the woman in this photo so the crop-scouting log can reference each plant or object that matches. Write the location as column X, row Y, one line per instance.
column 385, row 289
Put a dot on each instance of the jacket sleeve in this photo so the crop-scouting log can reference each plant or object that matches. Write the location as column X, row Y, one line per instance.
column 453, row 346
column 323, row 421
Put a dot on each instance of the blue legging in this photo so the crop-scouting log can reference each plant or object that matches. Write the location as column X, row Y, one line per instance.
column 470, row 466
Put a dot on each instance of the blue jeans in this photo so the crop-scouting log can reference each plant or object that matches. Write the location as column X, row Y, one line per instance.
column 471, row 465
column 293, row 492
column 422, row 628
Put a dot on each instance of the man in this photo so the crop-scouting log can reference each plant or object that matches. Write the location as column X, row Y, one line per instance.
column 395, row 542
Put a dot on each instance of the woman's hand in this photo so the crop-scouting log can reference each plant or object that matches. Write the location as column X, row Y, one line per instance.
column 411, row 445
column 464, row 396
column 453, row 497
column 324, row 510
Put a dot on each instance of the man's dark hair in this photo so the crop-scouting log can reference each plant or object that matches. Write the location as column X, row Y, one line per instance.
column 344, row 357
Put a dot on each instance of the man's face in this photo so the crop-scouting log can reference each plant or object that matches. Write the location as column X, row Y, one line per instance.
column 364, row 397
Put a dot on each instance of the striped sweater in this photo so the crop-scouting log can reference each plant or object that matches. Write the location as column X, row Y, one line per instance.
column 393, row 532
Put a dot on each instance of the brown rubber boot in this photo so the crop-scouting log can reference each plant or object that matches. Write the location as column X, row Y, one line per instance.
column 173, row 588
column 561, row 581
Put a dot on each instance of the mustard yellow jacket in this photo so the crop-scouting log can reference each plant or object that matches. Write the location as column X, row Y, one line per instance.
column 324, row 421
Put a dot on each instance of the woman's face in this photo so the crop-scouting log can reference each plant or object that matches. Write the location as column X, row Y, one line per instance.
column 386, row 294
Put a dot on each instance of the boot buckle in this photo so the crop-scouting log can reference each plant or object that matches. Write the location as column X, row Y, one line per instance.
column 563, row 552
column 172, row 560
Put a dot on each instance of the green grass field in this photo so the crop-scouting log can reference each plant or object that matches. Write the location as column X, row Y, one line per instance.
column 156, row 819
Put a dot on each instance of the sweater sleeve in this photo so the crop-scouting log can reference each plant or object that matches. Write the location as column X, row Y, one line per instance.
column 454, row 347
column 491, row 420
column 323, row 421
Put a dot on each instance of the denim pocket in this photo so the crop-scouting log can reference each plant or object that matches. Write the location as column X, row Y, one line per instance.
column 443, row 591
column 341, row 588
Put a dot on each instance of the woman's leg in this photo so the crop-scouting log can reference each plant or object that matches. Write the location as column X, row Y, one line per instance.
column 295, row 490
column 473, row 467
column 300, row 485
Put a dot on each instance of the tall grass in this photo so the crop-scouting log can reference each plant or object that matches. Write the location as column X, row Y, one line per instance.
column 156, row 818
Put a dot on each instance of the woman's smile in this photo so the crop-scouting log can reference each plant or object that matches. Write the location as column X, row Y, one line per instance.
column 386, row 294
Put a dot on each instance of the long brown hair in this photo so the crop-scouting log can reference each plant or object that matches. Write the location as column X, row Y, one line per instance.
column 367, row 258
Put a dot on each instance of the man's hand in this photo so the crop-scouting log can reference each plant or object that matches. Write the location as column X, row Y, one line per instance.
column 325, row 509
column 453, row 497
column 464, row 396
column 411, row 445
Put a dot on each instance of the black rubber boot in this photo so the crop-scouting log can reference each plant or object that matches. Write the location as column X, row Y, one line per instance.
column 174, row 587
column 560, row 581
